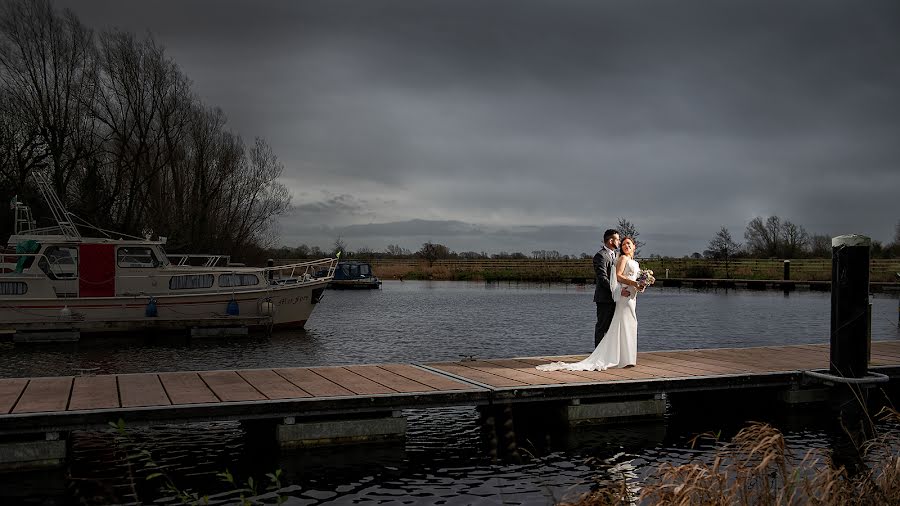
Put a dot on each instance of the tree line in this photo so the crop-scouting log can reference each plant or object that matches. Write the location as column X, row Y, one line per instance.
column 113, row 124
column 771, row 237
column 774, row 237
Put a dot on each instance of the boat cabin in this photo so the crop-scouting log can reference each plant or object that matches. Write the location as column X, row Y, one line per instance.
column 58, row 267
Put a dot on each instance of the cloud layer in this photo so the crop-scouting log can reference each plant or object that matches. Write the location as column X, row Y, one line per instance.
column 524, row 125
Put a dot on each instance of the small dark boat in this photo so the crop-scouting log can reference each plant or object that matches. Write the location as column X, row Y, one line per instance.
column 354, row 274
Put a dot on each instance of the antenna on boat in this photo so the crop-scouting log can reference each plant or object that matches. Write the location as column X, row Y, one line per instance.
column 60, row 214
column 24, row 220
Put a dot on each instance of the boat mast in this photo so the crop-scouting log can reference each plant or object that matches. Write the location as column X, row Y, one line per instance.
column 66, row 227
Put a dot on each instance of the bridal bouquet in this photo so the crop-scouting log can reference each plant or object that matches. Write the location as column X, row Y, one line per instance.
column 645, row 277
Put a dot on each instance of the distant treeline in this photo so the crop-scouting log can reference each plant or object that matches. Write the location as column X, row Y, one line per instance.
column 113, row 124
column 771, row 237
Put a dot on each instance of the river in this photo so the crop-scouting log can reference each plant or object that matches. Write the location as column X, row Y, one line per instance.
column 443, row 459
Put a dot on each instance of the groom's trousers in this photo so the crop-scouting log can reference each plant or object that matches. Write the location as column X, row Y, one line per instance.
column 605, row 312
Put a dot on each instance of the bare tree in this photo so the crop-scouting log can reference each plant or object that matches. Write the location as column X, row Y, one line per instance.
column 820, row 246
column 722, row 247
column 339, row 246
column 431, row 251
column 48, row 71
column 794, row 240
column 126, row 143
column 396, row 251
column 763, row 237
column 627, row 229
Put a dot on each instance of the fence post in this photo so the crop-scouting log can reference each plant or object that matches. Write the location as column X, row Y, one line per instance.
column 849, row 305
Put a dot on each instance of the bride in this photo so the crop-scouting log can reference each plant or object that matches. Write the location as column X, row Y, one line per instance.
column 618, row 348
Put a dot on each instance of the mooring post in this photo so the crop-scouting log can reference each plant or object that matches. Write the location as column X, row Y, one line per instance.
column 270, row 263
column 849, row 305
column 787, row 270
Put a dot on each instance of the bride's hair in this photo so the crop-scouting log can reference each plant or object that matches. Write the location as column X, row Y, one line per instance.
column 622, row 244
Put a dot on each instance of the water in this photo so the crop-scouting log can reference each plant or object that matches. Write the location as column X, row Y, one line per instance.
column 445, row 458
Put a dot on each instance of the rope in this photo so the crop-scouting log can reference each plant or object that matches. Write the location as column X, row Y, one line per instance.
column 871, row 377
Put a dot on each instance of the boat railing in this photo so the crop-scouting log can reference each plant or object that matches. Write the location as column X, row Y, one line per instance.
column 303, row 271
column 198, row 260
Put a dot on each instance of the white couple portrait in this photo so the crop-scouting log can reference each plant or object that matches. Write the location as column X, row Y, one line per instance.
column 619, row 280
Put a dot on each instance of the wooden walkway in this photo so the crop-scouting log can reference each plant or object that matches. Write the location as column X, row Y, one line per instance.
column 31, row 405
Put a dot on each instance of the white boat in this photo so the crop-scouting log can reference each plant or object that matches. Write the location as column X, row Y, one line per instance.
column 58, row 279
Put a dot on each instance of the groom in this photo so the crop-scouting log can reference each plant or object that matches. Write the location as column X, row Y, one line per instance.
column 604, row 269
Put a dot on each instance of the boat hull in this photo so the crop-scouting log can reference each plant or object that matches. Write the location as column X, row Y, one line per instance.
column 288, row 306
column 355, row 284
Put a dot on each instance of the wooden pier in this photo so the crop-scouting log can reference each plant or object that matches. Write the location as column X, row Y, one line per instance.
column 345, row 403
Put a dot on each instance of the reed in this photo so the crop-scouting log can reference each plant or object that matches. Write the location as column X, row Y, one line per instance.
column 756, row 468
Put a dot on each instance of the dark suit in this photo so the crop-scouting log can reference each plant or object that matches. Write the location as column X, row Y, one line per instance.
column 604, row 269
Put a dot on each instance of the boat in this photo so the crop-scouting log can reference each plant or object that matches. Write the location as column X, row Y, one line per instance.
column 55, row 278
column 354, row 274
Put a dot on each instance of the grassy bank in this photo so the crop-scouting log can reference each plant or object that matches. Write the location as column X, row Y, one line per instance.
column 582, row 270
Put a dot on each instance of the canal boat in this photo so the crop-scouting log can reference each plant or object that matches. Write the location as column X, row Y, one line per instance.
column 352, row 274
column 56, row 278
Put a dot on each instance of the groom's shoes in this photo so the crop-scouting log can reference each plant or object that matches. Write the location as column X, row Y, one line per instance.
column 627, row 366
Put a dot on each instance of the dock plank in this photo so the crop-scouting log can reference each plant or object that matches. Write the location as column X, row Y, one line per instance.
column 715, row 361
column 709, row 368
column 755, row 363
column 675, row 370
column 527, row 377
column 557, row 377
column 45, row 394
column 354, row 382
column 435, row 381
column 630, row 373
column 10, row 390
column 94, row 392
column 584, row 376
column 477, row 375
column 186, row 388
column 229, row 386
column 272, row 385
column 389, row 379
column 309, row 381
column 142, row 389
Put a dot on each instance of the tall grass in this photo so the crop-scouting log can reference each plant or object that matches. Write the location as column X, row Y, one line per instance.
column 756, row 468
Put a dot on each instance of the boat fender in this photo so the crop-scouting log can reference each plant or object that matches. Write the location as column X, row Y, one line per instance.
column 151, row 310
column 232, row 309
column 266, row 308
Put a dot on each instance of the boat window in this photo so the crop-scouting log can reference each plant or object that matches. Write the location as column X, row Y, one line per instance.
column 233, row 279
column 136, row 256
column 60, row 262
column 13, row 288
column 364, row 270
column 190, row 281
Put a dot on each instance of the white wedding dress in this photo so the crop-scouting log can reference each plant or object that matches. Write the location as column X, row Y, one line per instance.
column 618, row 348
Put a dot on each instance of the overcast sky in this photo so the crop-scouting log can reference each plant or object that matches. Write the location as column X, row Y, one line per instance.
column 494, row 125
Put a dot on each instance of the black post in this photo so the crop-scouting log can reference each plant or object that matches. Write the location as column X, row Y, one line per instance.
column 849, row 305
column 270, row 263
column 787, row 270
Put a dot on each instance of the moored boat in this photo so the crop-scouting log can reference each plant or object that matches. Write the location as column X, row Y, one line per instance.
column 354, row 274
column 55, row 278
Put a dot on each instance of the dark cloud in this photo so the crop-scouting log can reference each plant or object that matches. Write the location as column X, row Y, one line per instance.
column 535, row 125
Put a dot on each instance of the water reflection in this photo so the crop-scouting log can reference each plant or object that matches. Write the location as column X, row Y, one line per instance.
column 447, row 454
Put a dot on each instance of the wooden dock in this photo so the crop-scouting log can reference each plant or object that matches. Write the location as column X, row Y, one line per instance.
column 43, row 408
